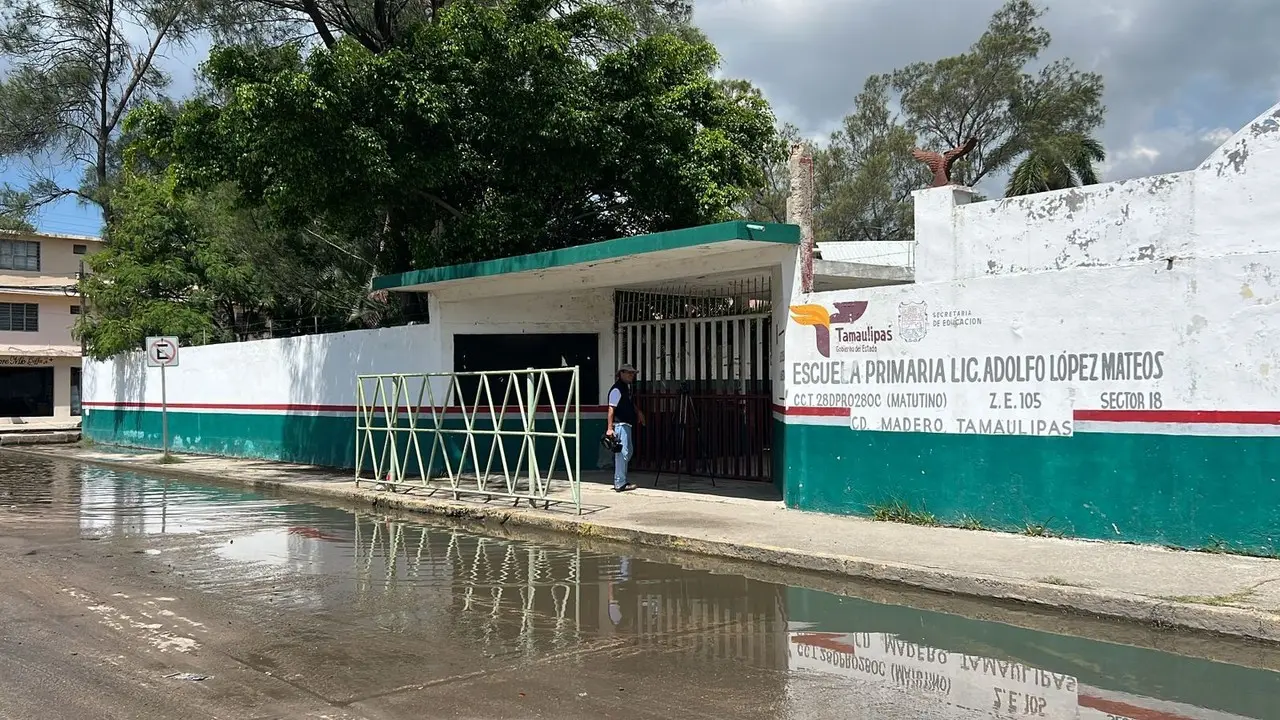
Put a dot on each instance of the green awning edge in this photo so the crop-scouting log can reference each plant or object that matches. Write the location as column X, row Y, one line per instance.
column 597, row 252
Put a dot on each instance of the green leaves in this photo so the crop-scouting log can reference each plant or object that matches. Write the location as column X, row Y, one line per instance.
column 1056, row 162
column 484, row 133
column 492, row 129
column 1043, row 120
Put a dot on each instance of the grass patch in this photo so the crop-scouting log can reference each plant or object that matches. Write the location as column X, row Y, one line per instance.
column 1040, row 529
column 968, row 522
column 85, row 442
column 1215, row 600
column 1055, row 580
column 1215, row 546
column 170, row 460
column 902, row 512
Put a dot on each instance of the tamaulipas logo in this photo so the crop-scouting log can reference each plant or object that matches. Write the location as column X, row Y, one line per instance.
column 823, row 321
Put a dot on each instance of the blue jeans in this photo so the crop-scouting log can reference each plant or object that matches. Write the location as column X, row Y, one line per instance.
column 622, row 431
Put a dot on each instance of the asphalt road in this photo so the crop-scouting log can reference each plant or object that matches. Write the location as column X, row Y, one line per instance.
column 124, row 596
column 127, row 597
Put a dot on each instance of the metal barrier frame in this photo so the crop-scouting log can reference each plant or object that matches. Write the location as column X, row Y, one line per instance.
column 383, row 401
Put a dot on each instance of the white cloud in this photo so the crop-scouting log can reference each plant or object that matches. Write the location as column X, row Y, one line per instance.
column 1163, row 150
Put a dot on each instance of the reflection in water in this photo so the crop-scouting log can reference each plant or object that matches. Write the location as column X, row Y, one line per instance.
column 825, row 654
column 35, row 485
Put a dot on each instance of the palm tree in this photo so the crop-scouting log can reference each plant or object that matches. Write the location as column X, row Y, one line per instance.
column 1056, row 162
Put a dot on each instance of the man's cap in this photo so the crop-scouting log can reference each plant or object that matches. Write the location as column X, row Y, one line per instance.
column 627, row 367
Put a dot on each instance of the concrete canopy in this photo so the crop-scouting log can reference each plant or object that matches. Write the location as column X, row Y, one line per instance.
column 720, row 250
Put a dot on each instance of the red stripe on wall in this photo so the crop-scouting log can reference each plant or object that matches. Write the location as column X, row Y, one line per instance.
column 796, row 411
column 284, row 407
column 1186, row 417
column 1123, row 709
column 1231, row 417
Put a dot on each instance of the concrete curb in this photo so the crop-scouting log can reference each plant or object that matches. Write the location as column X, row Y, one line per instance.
column 1166, row 614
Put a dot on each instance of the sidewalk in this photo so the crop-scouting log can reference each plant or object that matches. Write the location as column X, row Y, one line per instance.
column 1226, row 594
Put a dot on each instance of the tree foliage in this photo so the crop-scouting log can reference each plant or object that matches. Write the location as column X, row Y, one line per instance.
column 866, row 174
column 484, row 133
column 201, row 266
column 303, row 171
column 77, row 67
column 379, row 25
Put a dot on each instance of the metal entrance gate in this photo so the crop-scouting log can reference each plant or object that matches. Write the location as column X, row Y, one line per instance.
column 703, row 380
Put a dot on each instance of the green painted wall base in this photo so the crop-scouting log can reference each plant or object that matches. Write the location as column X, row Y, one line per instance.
column 307, row 439
column 1180, row 490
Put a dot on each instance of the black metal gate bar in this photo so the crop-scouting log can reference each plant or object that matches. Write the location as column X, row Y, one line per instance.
column 703, row 378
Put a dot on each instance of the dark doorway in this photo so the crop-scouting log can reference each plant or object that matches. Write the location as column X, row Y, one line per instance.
column 75, row 391
column 26, row 392
column 478, row 353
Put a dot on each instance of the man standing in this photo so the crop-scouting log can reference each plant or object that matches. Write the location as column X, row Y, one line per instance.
column 623, row 417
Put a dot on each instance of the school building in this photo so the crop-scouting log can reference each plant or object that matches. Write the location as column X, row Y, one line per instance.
column 1099, row 360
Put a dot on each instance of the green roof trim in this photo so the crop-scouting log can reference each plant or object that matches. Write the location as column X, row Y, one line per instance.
column 597, row 252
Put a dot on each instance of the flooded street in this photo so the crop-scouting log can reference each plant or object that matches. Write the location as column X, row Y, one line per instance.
column 132, row 596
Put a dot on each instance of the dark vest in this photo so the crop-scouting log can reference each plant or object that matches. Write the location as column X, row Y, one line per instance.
column 625, row 412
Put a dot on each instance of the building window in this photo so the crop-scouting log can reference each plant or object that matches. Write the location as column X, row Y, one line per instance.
column 20, row 317
column 19, row 255
column 80, row 249
column 75, row 309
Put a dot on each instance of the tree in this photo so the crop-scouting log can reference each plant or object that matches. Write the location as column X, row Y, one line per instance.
column 481, row 134
column 866, row 174
column 1056, row 162
column 768, row 202
column 1055, row 154
column 14, row 213
column 12, row 223
column 378, row 25
column 976, row 93
column 77, row 67
column 156, row 277
column 204, row 266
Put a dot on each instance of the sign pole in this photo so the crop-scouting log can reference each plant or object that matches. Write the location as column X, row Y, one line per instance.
column 163, row 352
column 164, row 416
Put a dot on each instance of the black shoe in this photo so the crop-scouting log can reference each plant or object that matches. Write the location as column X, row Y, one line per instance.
column 624, row 488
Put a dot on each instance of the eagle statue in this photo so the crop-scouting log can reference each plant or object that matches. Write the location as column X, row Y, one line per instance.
column 940, row 163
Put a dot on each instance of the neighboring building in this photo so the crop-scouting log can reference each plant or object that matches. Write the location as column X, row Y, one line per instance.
column 39, row 304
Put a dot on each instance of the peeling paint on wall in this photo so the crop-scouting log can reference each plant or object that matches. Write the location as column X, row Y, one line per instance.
column 963, row 397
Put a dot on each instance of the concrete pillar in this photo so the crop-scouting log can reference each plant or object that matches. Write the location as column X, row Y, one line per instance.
column 937, row 254
column 800, row 208
column 62, row 388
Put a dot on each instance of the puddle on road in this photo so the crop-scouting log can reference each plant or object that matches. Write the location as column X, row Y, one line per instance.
column 419, row 583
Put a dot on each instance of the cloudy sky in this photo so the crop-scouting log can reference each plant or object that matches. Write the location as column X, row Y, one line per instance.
column 1181, row 75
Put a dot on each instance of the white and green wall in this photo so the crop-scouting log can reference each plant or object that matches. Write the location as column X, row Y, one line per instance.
column 294, row 399
column 1103, row 360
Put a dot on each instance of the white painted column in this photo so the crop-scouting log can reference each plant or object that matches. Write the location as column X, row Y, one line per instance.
column 62, row 388
column 938, row 255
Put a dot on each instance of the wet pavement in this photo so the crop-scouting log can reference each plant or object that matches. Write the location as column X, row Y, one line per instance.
column 131, row 596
